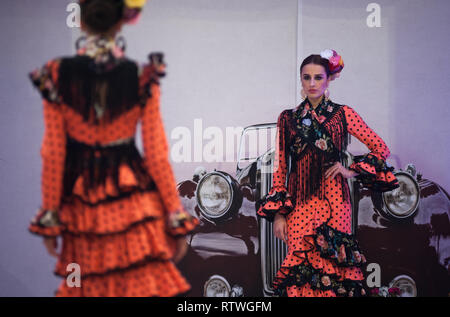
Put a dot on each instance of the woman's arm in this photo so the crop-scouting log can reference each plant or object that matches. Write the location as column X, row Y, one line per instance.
column 156, row 158
column 373, row 172
column 53, row 153
column 278, row 200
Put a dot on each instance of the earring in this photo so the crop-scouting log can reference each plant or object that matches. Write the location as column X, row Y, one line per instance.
column 121, row 43
column 327, row 94
column 80, row 42
column 303, row 94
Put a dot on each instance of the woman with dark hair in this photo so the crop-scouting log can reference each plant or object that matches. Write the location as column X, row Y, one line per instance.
column 309, row 201
column 118, row 214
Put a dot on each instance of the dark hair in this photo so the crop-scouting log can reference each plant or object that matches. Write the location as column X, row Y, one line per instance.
column 317, row 60
column 101, row 15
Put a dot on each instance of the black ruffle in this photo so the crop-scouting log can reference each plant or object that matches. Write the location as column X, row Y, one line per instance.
column 380, row 178
column 44, row 81
column 281, row 203
column 305, row 273
column 151, row 74
column 341, row 247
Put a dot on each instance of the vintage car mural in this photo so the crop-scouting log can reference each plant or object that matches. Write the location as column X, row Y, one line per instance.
column 405, row 233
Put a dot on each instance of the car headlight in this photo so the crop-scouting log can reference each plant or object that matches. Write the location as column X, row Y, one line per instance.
column 403, row 201
column 406, row 285
column 217, row 195
column 217, row 286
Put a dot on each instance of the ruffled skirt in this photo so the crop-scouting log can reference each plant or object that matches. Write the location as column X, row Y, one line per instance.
column 119, row 241
column 323, row 257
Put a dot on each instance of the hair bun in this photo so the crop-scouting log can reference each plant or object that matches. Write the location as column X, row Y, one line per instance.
column 101, row 15
column 335, row 62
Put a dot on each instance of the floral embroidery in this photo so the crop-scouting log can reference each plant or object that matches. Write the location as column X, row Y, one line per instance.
column 336, row 245
column 321, row 144
column 305, row 273
column 385, row 292
column 42, row 79
column 310, row 130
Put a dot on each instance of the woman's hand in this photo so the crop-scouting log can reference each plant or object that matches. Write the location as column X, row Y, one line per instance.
column 280, row 227
column 51, row 244
column 181, row 249
column 338, row 168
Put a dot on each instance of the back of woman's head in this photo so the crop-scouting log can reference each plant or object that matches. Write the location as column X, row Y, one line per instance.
column 99, row 16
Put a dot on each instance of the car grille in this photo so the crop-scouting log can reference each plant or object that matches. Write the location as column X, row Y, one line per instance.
column 273, row 250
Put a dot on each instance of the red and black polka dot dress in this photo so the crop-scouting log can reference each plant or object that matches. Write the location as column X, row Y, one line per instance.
column 118, row 213
column 323, row 256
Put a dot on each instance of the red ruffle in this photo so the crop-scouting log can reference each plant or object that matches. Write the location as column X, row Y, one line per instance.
column 139, row 282
column 98, row 255
column 111, row 216
column 37, row 228
column 49, row 232
column 378, row 179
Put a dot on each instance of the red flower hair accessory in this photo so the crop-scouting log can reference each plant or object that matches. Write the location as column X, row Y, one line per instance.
column 132, row 10
column 335, row 62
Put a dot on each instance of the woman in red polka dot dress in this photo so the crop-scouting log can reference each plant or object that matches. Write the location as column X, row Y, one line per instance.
column 118, row 213
column 309, row 201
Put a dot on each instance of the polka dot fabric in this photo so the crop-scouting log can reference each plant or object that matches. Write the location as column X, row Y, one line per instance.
column 123, row 242
column 323, row 257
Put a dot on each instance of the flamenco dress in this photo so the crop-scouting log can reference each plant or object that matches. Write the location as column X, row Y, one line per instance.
column 323, row 258
column 118, row 212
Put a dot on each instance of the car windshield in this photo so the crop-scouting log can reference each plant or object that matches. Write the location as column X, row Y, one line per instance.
column 255, row 141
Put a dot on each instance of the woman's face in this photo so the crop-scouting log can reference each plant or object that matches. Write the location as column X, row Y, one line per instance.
column 314, row 80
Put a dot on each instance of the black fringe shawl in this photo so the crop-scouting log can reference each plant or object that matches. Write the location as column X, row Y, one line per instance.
column 307, row 169
column 97, row 163
column 80, row 86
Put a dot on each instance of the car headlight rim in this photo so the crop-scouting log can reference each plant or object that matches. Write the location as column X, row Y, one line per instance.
column 204, row 210
column 389, row 201
column 402, row 282
column 220, row 283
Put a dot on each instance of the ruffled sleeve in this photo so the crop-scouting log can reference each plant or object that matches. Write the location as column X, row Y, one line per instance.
column 278, row 199
column 44, row 80
column 373, row 171
column 156, row 154
column 53, row 152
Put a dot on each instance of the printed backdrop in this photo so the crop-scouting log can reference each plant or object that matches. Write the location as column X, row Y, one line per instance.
column 231, row 64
